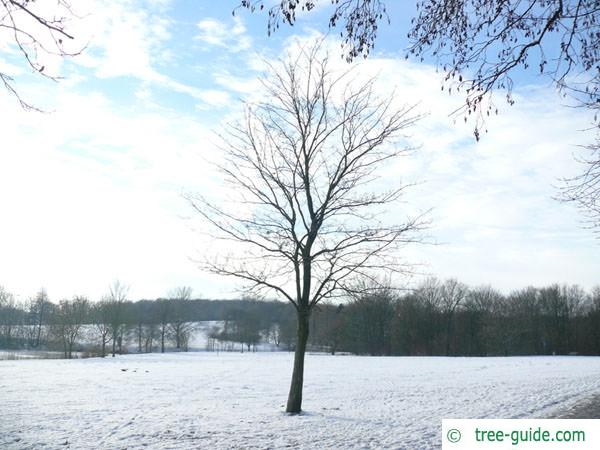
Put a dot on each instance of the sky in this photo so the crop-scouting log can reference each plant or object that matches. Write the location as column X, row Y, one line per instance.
column 92, row 190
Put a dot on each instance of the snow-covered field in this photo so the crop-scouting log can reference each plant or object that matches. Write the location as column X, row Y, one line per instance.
column 231, row 400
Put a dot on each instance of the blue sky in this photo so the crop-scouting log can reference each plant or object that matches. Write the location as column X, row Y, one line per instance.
column 92, row 190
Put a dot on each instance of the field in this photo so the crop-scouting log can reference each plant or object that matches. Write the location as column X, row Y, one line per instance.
column 232, row 400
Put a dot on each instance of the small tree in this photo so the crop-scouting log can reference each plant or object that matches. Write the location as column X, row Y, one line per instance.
column 150, row 334
column 9, row 318
column 369, row 317
column 428, row 298
column 248, row 328
column 180, row 327
column 163, row 315
column 38, row 312
column 68, row 320
column 478, row 308
column 141, row 320
column 334, row 326
column 305, row 221
column 452, row 294
column 101, row 314
column 116, row 310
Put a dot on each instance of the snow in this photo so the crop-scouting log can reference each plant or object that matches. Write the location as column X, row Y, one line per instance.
column 233, row 400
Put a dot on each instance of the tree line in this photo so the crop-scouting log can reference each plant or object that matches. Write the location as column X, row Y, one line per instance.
column 437, row 318
column 449, row 318
column 107, row 326
column 114, row 324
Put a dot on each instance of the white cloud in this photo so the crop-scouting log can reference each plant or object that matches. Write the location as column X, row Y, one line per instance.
column 124, row 39
column 216, row 98
column 233, row 37
column 243, row 86
column 127, row 40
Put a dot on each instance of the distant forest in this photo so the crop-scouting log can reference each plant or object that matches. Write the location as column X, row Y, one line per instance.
column 437, row 318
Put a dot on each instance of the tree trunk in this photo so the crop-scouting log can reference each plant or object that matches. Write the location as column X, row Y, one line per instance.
column 294, row 403
column 162, row 340
column 103, row 347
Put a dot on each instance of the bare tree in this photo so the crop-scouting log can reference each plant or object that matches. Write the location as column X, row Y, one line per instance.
column 9, row 317
column 305, row 220
column 69, row 317
column 150, row 333
column 370, row 317
column 247, row 328
column 142, row 319
column 37, row 31
column 429, row 295
column 180, row 327
column 526, row 320
column 116, row 309
column 274, row 334
column 479, row 305
column 101, row 318
column 334, row 320
column 452, row 294
column 212, row 339
column 163, row 314
column 38, row 310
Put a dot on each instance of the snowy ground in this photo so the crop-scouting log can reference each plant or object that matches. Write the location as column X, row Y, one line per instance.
column 209, row 401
